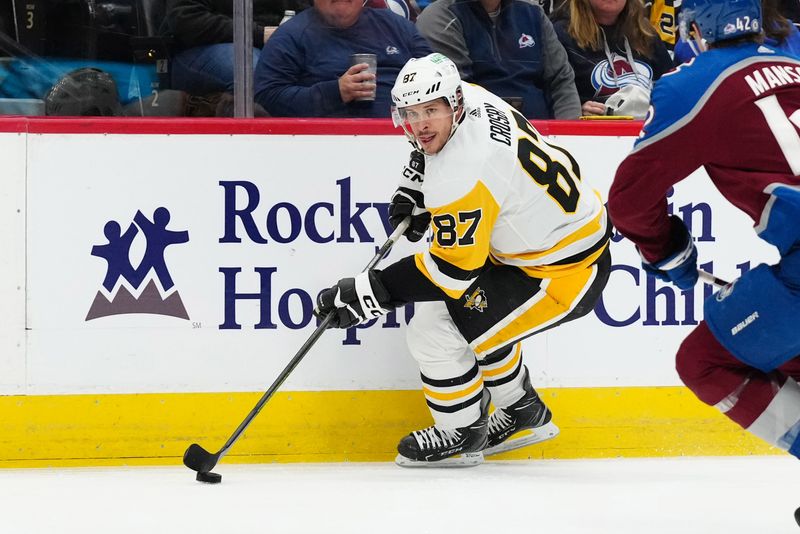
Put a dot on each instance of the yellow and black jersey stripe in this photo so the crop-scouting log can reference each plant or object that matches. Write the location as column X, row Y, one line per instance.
column 576, row 251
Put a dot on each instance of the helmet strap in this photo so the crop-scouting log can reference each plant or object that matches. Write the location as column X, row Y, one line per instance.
column 458, row 113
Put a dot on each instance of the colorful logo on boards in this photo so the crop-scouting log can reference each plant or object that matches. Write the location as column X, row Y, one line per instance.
column 123, row 282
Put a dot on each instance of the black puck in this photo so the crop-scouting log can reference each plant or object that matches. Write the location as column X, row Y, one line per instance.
column 209, row 478
column 797, row 516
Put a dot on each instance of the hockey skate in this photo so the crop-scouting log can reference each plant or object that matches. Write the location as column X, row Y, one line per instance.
column 524, row 423
column 435, row 447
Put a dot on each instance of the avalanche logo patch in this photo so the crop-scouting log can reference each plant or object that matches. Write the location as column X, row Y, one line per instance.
column 477, row 301
column 526, row 41
column 121, row 291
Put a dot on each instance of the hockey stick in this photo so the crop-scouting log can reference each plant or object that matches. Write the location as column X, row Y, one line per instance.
column 200, row 460
column 711, row 279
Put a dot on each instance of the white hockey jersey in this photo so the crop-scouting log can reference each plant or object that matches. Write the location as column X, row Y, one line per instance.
column 499, row 191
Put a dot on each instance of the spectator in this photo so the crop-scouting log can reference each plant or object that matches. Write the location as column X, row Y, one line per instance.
column 6, row 26
column 789, row 9
column 509, row 47
column 779, row 32
column 203, row 32
column 611, row 45
column 663, row 15
column 305, row 71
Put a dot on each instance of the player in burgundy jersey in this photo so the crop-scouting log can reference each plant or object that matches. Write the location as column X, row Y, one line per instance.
column 734, row 111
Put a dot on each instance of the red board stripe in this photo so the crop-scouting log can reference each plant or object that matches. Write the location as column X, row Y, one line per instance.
column 183, row 126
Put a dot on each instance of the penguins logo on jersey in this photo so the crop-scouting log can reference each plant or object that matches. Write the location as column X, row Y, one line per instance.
column 477, row 301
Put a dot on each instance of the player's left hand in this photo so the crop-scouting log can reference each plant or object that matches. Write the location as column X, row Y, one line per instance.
column 353, row 301
column 680, row 267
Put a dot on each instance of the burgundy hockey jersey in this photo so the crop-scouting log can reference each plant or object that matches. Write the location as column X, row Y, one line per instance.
column 734, row 111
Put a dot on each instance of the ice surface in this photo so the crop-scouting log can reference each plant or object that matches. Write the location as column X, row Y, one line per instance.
column 751, row 495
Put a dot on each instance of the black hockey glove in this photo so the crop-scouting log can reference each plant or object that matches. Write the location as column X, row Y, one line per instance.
column 408, row 200
column 354, row 301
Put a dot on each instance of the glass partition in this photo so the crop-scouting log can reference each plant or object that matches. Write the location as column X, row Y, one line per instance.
column 169, row 58
column 85, row 57
column 129, row 58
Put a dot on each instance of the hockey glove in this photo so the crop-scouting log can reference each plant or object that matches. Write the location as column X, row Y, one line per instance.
column 353, row 301
column 680, row 267
column 408, row 200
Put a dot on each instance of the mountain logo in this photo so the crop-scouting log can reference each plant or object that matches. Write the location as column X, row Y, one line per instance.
column 122, row 291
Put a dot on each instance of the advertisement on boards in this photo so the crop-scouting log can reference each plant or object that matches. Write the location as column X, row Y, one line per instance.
column 162, row 263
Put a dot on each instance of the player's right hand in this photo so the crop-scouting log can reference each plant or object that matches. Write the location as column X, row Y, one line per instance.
column 353, row 301
column 680, row 267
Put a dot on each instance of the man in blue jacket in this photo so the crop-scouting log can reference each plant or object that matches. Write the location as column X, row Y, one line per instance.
column 305, row 71
column 510, row 48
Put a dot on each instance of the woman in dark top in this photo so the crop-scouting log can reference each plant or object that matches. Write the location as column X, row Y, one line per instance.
column 611, row 45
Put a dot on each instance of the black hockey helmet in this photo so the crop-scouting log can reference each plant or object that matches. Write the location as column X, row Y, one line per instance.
column 84, row 92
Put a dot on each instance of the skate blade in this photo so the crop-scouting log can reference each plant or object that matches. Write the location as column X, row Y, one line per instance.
column 524, row 438
column 467, row 459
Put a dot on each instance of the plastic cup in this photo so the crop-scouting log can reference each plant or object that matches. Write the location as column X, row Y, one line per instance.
column 372, row 61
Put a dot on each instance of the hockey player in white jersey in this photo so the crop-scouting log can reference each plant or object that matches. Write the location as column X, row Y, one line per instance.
column 519, row 245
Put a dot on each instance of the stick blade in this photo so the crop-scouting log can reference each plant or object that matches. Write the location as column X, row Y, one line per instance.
column 198, row 459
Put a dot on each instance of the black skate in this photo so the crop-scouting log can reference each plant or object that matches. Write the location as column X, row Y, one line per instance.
column 435, row 447
column 525, row 422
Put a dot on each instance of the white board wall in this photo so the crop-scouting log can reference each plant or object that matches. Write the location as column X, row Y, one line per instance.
column 317, row 218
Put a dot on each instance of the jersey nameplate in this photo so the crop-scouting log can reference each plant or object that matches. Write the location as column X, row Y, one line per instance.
column 499, row 125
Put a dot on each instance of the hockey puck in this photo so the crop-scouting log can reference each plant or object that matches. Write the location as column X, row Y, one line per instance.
column 797, row 516
column 209, row 478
